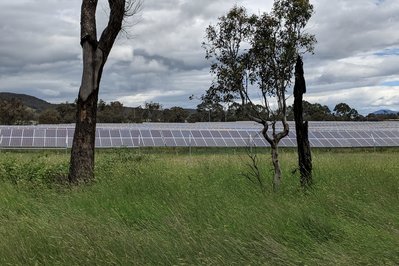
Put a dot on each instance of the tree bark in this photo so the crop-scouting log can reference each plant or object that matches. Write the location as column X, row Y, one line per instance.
column 274, row 149
column 277, row 168
column 95, row 54
column 304, row 152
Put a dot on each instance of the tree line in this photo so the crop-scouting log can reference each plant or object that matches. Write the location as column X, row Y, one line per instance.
column 14, row 112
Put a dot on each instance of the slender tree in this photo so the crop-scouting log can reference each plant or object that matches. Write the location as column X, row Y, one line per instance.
column 95, row 54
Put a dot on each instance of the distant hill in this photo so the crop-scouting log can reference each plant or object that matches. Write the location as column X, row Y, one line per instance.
column 30, row 101
column 385, row 112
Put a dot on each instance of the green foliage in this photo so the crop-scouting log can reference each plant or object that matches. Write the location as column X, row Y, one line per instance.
column 163, row 208
column 344, row 112
column 35, row 171
column 14, row 112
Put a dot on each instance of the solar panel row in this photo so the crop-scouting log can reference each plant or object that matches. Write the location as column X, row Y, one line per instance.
column 142, row 135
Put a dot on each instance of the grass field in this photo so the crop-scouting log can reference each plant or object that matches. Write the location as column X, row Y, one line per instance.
column 166, row 207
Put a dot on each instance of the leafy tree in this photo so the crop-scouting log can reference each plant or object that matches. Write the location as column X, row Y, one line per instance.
column 111, row 113
column 226, row 46
column 316, row 112
column 344, row 112
column 50, row 116
column 14, row 112
column 152, row 112
column 260, row 50
column 95, row 54
column 67, row 112
column 210, row 111
column 135, row 115
column 175, row 115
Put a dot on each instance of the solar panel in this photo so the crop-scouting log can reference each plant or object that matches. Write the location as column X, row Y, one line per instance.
column 234, row 134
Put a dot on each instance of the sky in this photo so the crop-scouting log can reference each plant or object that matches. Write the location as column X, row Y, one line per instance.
column 160, row 57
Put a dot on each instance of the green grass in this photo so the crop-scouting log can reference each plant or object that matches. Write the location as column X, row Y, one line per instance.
column 170, row 208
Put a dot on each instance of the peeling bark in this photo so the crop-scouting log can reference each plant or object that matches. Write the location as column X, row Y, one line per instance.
column 304, row 152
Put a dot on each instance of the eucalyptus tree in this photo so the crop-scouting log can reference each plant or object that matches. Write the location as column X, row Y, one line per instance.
column 95, row 54
column 227, row 44
column 254, row 58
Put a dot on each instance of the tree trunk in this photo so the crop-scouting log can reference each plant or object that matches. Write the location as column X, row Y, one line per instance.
column 277, row 168
column 82, row 154
column 95, row 54
column 304, row 152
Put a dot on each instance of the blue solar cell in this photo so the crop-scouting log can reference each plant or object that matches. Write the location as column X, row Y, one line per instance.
column 159, row 142
column 177, row 134
column 39, row 133
column 105, row 142
column 127, row 142
column 51, row 133
column 104, row 133
column 200, row 142
column 135, row 133
column 125, row 133
column 215, row 134
column 147, row 142
column 114, row 133
column 49, row 142
column 28, row 132
column 186, row 133
column 6, row 132
column 206, row 134
column 156, row 133
column 116, row 142
column 170, row 142
column 210, row 142
column 166, row 134
column 15, row 142
column 38, row 142
column 17, row 133
column 27, row 142
column 61, row 142
column 196, row 134
column 145, row 133
column 61, row 133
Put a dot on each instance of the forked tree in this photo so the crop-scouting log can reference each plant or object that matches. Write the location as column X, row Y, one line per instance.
column 262, row 50
column 95, row 54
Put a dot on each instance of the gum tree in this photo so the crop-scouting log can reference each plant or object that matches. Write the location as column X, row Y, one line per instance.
column 95, row 54
column 269, row 47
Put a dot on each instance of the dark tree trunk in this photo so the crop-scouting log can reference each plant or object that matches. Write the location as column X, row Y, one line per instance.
column 304, row 153
column 82, row 154
column 95, row 54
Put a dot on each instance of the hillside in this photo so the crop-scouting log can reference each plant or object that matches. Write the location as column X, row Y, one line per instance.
column 30, row 101
column 385, row 112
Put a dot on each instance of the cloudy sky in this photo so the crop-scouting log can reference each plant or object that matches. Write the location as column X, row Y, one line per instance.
column 356, row 58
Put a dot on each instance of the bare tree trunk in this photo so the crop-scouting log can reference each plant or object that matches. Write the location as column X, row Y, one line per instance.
column 277, row 168
column 95, row 54
column 82, row 154
column 304, row 152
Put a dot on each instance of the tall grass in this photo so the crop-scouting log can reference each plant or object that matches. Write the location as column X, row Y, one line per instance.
column 172, row 208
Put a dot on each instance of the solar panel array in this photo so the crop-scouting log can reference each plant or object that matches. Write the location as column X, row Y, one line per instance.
column 234, row 134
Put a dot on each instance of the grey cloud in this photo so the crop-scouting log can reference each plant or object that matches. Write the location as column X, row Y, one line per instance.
column 40, row 51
